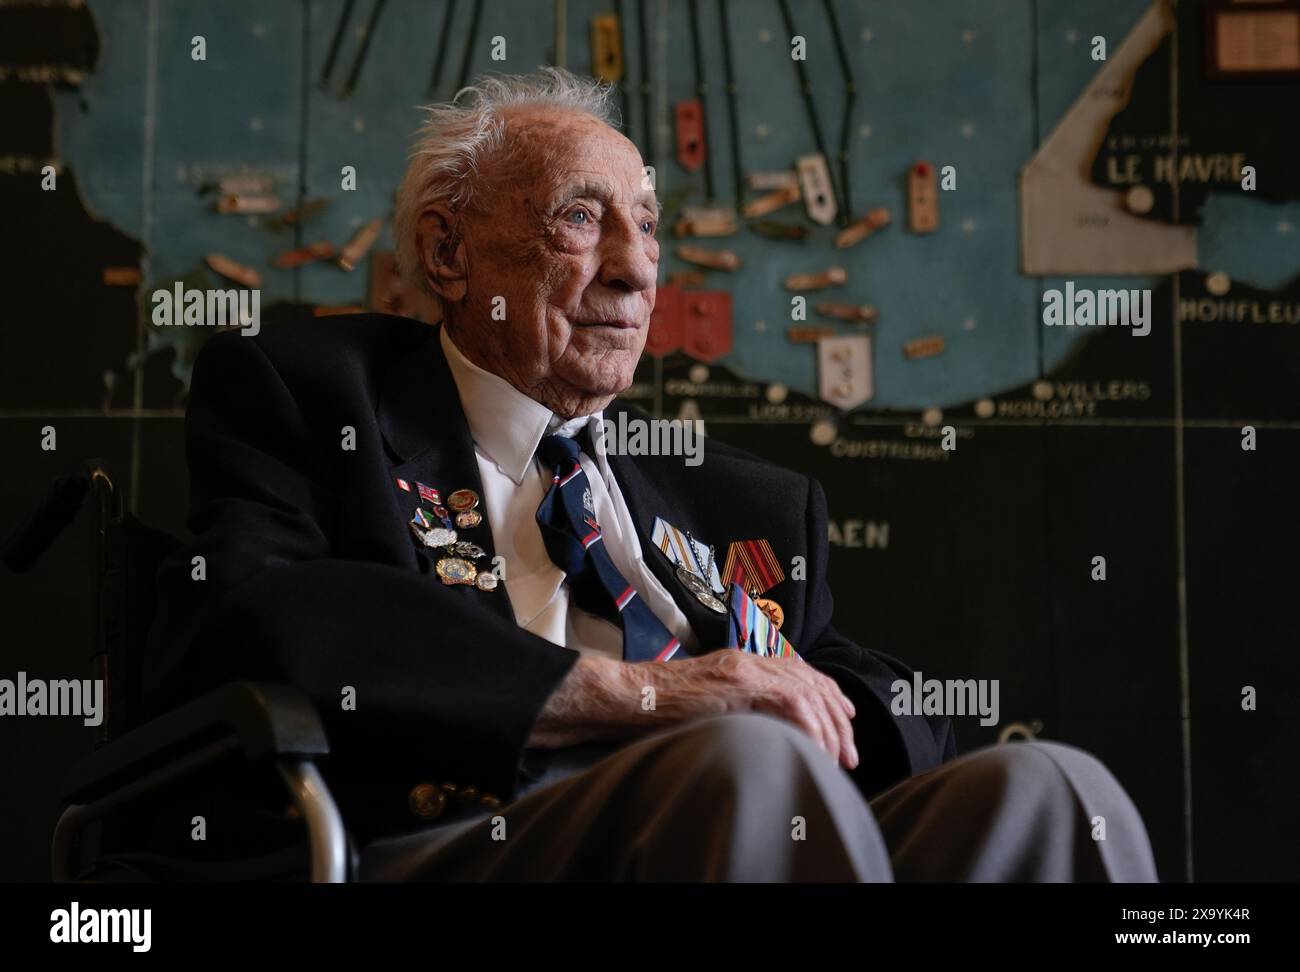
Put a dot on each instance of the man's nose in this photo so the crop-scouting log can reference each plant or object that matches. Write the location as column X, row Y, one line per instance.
column 627, row 258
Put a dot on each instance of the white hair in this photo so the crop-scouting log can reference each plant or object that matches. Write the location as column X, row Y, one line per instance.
column 458, row 137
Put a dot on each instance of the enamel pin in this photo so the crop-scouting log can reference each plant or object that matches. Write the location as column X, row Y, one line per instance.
column 434, row 527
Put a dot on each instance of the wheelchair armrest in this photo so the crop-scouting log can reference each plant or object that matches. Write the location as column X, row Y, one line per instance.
column 256, row 719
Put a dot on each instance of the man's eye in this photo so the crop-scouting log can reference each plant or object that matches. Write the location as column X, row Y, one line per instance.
column 648, row 228
column 579, row 217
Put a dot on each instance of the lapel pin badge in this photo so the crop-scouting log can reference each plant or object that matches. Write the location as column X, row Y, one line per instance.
column 436, row 529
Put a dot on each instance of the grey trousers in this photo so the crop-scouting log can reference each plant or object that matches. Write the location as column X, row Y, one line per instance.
column 752, row 798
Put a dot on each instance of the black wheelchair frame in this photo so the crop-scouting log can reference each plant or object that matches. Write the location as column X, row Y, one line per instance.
column 134, row 759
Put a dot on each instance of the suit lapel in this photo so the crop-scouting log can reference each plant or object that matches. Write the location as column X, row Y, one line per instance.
column 645, row 501
column 428, row 438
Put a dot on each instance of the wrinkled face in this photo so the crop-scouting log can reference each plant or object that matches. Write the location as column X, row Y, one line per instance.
column 560, row 241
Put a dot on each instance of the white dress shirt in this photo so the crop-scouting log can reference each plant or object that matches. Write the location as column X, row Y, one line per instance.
column 506, row 426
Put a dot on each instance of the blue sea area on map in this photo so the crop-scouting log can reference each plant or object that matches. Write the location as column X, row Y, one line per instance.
column 975, row 86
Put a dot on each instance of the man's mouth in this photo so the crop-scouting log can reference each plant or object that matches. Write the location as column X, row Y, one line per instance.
column 622, row 324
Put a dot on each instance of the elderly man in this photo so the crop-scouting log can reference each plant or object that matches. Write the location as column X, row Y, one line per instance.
column 520, row 640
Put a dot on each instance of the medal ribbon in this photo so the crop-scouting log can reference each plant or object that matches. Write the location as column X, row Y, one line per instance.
column 679, row 549
column 751, row 630
column 753, row 565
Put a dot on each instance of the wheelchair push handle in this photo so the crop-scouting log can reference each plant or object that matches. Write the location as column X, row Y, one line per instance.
column 64, row 499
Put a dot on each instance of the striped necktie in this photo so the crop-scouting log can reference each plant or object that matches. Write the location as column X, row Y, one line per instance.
column 573, row 539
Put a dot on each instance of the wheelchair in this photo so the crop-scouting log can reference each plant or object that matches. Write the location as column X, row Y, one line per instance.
column 238, row 728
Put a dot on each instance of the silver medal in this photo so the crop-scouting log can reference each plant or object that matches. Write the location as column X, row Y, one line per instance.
column 439, row 537
column 693, row 581
column 710, row 602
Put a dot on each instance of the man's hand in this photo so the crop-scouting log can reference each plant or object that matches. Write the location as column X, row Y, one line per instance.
column 606, row 699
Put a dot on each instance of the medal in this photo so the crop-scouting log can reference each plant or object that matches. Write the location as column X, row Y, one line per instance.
column 453, row 570
column 696, row 583
column 752, row 629
column 693, row 571
column 683, row 551
column 710, row 602
column 772, row 610
column 692, row 581
column 753, row 566
column 462, row 500
column 708, row 568
column 457, row 566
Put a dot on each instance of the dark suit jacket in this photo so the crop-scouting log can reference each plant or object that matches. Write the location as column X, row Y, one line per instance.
column 314, row 578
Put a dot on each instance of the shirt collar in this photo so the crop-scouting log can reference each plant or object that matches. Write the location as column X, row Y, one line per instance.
column 506, row 424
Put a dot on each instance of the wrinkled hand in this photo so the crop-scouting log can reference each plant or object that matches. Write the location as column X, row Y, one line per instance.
column 788, row 688
column 604, row 699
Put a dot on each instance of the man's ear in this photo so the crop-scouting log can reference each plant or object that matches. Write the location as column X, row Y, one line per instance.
column 442, row 253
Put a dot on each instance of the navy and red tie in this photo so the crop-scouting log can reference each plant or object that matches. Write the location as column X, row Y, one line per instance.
column 573, row 539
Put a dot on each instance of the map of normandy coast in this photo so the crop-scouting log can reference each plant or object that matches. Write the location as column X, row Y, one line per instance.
column 1068, row 169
